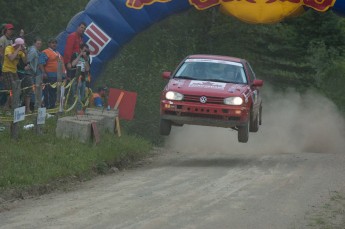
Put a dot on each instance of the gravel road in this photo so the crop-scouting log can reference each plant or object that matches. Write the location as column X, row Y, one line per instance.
column 203, row 178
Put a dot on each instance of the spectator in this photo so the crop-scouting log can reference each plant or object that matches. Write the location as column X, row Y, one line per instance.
column 74, row 40
column 9, row 69
column 26, row 79
column 6, row 40
column 26, row 83
column 33, row 54
column 50, row 62
column 27, row 72
column 81, row 61
column 97, row 99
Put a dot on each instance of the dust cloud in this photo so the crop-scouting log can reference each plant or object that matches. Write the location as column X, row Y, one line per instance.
column 291, row 122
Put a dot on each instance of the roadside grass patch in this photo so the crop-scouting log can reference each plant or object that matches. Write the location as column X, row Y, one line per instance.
column 329, row 216
column 40, row 163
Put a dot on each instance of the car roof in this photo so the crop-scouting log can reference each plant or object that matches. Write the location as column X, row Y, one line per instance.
column 216, row 57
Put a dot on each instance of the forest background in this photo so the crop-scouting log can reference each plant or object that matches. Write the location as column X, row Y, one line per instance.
column 306, row 52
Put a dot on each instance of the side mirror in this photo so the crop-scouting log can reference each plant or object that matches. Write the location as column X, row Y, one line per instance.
column 258, row 83
column 166, row 75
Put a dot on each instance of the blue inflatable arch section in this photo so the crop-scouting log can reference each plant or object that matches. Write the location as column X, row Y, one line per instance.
column 111, row 24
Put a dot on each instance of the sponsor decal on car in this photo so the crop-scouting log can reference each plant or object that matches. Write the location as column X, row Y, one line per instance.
column 207, row 85
column 215, row 61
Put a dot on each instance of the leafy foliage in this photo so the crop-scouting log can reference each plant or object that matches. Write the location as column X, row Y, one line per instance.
column 40, row 18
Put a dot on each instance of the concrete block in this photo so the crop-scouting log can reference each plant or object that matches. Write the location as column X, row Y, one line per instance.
column 108, row 123
column 71, row 127
column 79, row 126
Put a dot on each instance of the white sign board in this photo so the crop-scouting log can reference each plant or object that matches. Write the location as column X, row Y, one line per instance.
column 41, row 116
column 19, row 114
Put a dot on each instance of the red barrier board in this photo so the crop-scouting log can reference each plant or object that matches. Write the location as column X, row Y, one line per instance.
column 125, row 102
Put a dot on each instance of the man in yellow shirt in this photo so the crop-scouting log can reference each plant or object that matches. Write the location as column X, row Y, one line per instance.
column 9, row 68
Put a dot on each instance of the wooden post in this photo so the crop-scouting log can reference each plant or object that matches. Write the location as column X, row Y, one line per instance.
column 95, row 133
column 38, row 101
column 59, row 81
column 117, row 125
column 117, row 119
column 119, row 100
column 16, row 90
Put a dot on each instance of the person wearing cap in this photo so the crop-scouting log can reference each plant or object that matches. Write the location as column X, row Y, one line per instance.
column 5, row 40
column 12, row 55
column 50, row 62
column 97, row 98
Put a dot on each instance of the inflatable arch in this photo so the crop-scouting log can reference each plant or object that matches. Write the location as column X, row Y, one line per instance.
column 113, row 23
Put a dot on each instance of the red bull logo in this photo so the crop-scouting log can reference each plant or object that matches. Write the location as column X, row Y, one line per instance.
column 319, row 5
column 139, row 4
column 98, row 39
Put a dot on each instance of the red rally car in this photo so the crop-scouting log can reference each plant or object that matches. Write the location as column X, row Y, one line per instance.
column 212, row 90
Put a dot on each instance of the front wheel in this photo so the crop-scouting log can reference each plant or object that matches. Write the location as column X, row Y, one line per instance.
column 243, row 133
column 165, row 127
column 254, row 122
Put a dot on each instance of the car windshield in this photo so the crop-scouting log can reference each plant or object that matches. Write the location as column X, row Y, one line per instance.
column 212, row 70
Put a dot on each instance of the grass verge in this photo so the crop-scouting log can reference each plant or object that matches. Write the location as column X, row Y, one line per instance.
column 36, row 164
column 330, row 215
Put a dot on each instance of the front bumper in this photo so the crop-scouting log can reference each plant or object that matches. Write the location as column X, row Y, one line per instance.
column 218, row 115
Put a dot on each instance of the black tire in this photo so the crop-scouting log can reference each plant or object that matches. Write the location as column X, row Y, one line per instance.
column 260, row 115
column 243, row 133
column 165, row 127
column 254, row 122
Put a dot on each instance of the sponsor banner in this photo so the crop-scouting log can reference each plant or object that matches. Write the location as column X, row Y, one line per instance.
column 207, row 85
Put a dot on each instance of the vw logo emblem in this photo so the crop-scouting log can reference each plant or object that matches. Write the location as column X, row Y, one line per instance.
column 203, row 99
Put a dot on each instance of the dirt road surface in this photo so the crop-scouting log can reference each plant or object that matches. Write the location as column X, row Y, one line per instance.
column 203, row 178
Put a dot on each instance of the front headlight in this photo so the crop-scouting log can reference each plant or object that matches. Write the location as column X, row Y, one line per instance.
column 171, row 95
column 233, row 101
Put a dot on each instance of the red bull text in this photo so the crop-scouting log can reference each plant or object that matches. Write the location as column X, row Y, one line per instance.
column 98, row 39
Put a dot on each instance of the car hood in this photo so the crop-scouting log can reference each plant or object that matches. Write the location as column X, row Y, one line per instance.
column 197, row 87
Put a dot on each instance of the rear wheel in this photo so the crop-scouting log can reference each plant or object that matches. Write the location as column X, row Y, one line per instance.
column 260, row 116
column 165, row 127
column 243, row 133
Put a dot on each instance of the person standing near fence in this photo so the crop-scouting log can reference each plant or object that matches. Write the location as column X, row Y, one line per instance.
column 5, row 40
column 73, row 42
column 33, row 55
column 50, row 63
column 9, row 69
column 81, row 61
